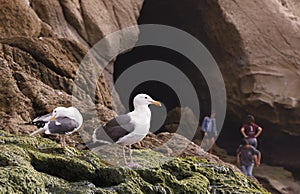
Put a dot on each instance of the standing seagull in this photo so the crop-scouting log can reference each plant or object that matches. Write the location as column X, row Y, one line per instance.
column 129, row 128
column 62, row 121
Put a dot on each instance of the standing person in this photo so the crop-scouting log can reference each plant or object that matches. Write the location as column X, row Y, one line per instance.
column 251, row 130
column 247, row 155
column 209, row 129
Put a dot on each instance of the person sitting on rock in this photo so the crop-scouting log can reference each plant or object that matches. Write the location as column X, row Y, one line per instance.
column 250, row 130
column 247, row 155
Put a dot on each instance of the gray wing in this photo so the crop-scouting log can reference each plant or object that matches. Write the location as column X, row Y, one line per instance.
column 40, row 122
column 44, row 118
column 62, row 125
column 116, row 128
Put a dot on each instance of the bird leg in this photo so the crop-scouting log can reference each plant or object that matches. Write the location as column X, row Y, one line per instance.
column 124, row 154
column 130, row 154
column 63, row 143
column 63, row 140
column 131, row 163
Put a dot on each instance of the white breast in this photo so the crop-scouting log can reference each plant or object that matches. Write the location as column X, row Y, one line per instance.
column 131, row 138
column 141, row 120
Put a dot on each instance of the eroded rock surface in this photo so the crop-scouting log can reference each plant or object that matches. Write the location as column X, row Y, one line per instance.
column 42, row 46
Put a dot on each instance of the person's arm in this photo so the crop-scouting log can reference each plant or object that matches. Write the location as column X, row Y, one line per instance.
column 243, row 132
column 258, row 159
column 238, row 153
column 258, row 132
column 238, row 160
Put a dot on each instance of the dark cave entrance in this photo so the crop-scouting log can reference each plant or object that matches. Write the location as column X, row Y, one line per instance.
column 187, row 16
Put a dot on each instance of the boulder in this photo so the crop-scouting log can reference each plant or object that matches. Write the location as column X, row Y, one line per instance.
column 181, row 120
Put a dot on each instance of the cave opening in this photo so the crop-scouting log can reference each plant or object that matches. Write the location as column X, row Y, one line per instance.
column 187, row 16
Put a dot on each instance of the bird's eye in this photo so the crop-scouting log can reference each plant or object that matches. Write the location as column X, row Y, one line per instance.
column 146, row 97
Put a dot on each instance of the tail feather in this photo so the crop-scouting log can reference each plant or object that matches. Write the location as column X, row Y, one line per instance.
column 40, row 130
column 94, row 144
column 28, row 123
column 38, row 124
column 96, row 141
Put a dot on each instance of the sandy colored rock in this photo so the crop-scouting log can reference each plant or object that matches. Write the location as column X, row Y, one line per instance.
column 51, row 13
column 104, row 17
column 42, row 46
column 38, row 75
column 18, row 19
column 268, row 75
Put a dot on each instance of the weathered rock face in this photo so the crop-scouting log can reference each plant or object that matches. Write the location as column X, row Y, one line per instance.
column 256, row 46
column 41, row 47
column 258, row 52
column 268, row 72
column 18, row 19
column 37, row 165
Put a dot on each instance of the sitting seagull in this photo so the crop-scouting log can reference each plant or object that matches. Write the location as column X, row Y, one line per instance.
column 62, row 121
column 129, row 128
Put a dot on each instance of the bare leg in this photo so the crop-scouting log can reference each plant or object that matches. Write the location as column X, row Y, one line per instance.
column 211, row 144
column 124, row 155
column 63, row 141
column 255, row 159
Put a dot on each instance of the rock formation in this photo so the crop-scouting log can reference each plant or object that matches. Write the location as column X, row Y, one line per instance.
column 41, row 47
column 38, row 165
column 256, row 45
column 258, row 53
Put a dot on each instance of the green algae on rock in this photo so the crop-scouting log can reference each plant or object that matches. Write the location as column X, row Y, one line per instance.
column 39, row 165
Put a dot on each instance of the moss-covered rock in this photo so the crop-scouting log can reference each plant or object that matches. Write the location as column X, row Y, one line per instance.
column 39, row 165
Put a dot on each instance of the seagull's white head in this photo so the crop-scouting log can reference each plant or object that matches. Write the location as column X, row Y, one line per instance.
column 60, row 112
column 70, row 112
column 144, row 100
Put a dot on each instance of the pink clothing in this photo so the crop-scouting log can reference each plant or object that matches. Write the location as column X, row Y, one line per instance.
column 251, row 129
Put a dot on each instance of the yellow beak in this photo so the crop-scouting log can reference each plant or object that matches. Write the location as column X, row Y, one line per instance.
column 52, row 118
column 156, row 103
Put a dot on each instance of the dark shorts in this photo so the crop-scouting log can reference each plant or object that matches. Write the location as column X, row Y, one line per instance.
column 253, row 142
